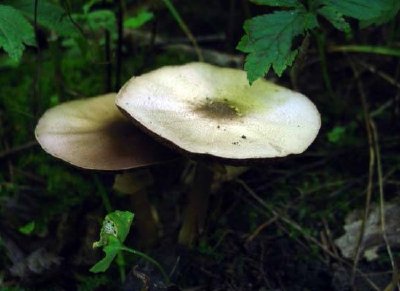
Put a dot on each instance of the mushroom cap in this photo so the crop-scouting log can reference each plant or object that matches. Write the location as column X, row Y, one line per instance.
column 206, row 110
column 93, row 134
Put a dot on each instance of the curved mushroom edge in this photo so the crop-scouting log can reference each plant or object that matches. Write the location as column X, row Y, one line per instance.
column 104, row 169
column 204, row 156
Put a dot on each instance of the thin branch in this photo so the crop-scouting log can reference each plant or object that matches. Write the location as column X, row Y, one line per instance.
column 184, row 28
column 36, row 77
column 382, row 205
column 17, row 149
column 67, row 7
column 107, row 59
column 371, row 166
column 120, row 31
column 382, row 75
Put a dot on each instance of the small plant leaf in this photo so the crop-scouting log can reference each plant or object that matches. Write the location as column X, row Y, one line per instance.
column 335, row 18
column 15, row 32
column 273, row 46
column 27, row 228
column 113, row 233
column 115, row 224
column 139, row 20
column 49, row 15
column 337, row 134
column 367, row 11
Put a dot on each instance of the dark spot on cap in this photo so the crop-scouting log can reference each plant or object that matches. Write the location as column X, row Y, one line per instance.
column 243, row 136
column 218, row 110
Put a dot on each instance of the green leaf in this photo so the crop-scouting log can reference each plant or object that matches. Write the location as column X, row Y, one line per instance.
column 390, row 10
column 102, row 19
column 335, row 18
column 27, row 228
column 268, row 40
column 115, row 224
column 15, row 32
column 279, row 3
column 113, row 233
column 122, row 221
column 367, row 11
column 337, row 134
column 49, row 15
column 111, row 250
column 139, row 20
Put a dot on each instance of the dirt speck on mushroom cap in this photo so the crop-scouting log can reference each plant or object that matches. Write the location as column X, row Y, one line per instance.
column 204, row 109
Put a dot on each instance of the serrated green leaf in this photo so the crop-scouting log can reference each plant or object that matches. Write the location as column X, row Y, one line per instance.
column 280, row 65
column 257, row 64
column 390, row 10
column 49, row 15
column 139, row 20
column 335, row 18
column 367, row 11
column 268, row 40
column 279, row 3
column 359, row 9
column 15, row 32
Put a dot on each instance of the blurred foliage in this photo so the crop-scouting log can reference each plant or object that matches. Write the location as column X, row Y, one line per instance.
column 268, row 38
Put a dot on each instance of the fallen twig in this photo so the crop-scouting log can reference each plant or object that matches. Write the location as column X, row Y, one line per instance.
column 17, row 149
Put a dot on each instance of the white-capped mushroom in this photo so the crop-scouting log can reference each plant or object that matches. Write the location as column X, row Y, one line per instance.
column 213, row 112
column 202, row 109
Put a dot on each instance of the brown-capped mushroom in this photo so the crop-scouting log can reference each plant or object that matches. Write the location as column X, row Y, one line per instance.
column 93, row 134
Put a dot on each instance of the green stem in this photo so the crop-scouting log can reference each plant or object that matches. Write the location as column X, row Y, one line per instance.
column 120, row 36
column 184, row 27
column 149, row 259
column 324, row 66
column 379, row 50
column 103, row 194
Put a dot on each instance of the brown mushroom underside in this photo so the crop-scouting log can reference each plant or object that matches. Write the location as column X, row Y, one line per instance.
column 93, row 134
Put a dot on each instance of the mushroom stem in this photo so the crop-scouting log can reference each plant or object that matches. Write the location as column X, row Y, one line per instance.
column 146, row 224
column 196, row 208
column 136, row 184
